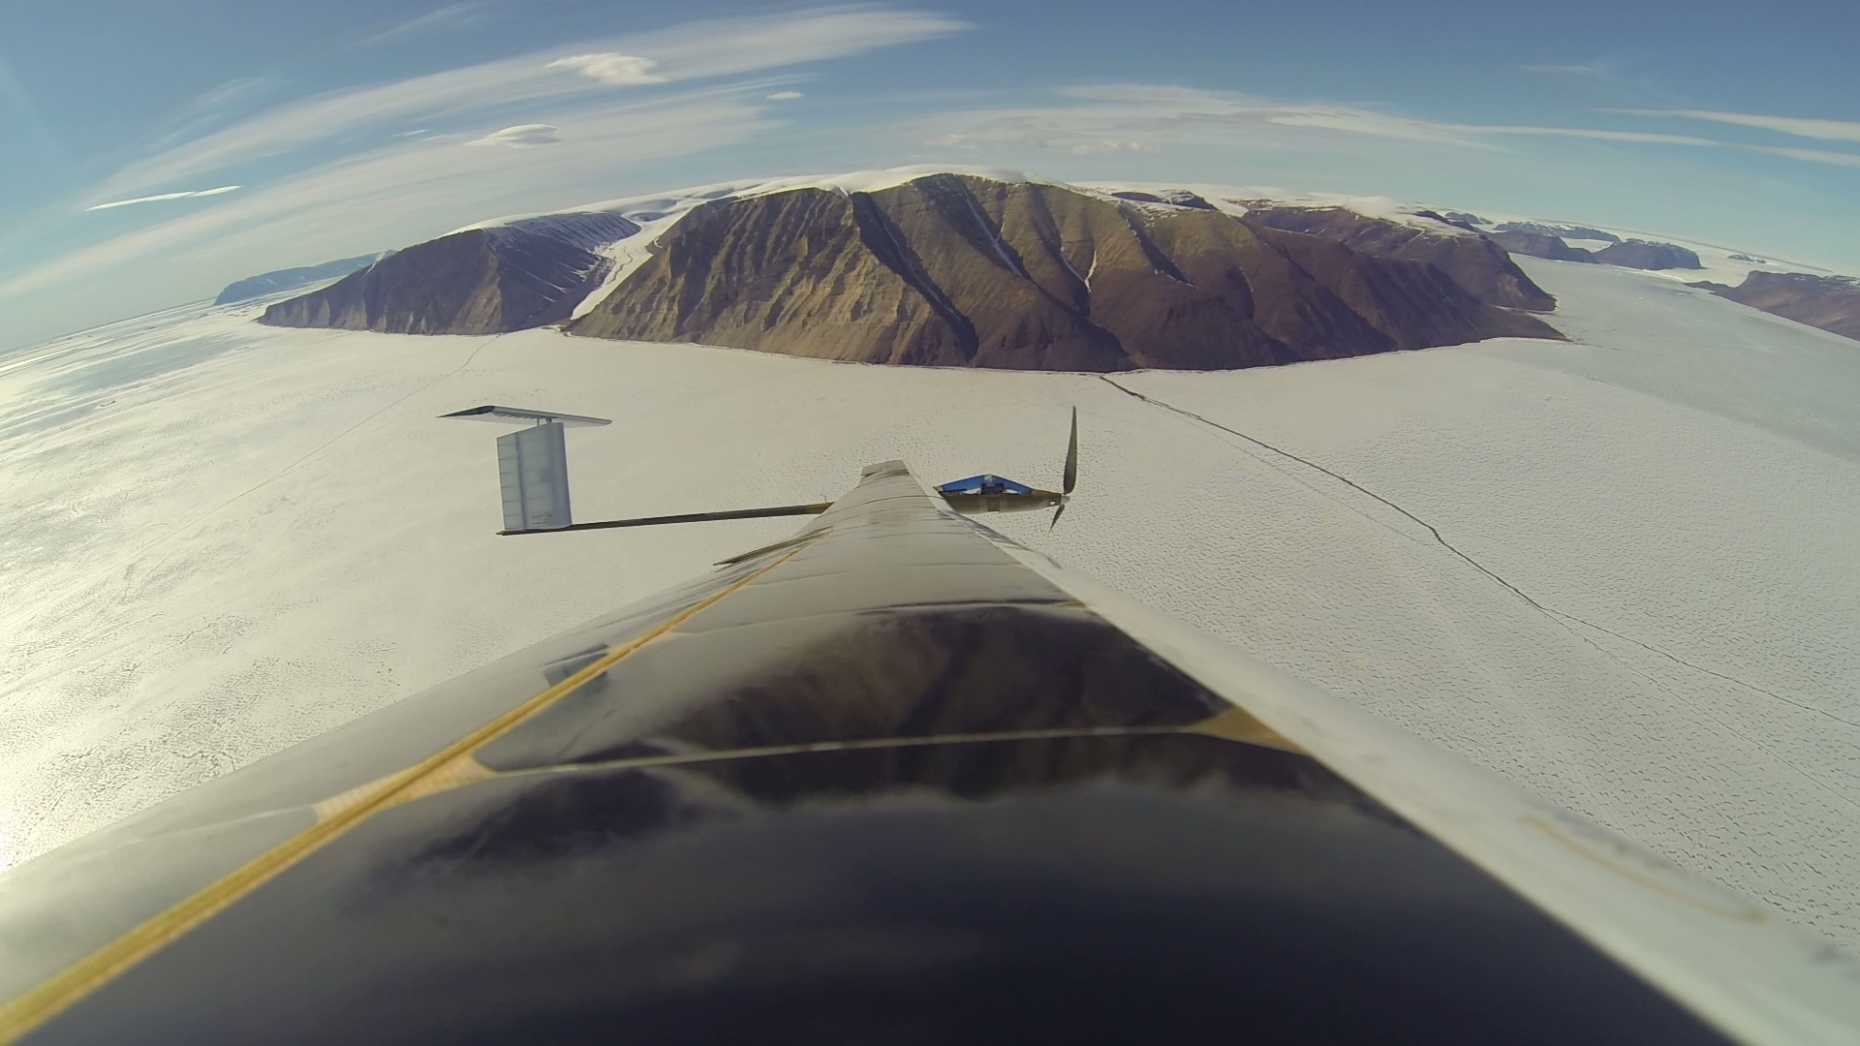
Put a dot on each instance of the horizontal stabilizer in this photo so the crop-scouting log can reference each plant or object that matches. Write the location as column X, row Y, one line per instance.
column 687, row 517
column 984, row 484
column 507, row 415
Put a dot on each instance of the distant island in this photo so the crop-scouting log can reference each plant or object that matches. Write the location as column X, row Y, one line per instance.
column 1545, row 241
column 291, row 279
column 1574, row 232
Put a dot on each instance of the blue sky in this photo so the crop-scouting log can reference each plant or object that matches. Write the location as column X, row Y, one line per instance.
column 291, row 135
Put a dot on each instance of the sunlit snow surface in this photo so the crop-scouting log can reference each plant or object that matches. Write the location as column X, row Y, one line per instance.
column 1642, row 602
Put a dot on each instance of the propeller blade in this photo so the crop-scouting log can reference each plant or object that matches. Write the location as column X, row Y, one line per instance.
column 1071, row 478
column 1060, row 511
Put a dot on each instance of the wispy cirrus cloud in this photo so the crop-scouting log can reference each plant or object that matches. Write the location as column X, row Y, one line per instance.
column 1189, row 112
column 1147, row 117
column 405, row 192
column 1589, row 133
column 785, row 96
column 698, row 50
column 1100, row 148
column 1824, row 156
column 215, row 107
column 450, row 18
column 1591, row 70
column 1795, row 126
column 161, row 197
column 1375, row 124
column 229, row 94
column 24, row 130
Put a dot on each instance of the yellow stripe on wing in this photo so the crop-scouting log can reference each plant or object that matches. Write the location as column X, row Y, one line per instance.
column 31, row 1010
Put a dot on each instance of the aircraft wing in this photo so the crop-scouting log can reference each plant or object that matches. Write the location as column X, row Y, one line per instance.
column 894, row 777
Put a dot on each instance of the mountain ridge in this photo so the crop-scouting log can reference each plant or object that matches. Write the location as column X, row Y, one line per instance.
column 1476, row 263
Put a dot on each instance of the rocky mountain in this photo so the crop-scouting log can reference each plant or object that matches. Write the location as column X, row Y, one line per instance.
column 1444, row 219
column 475, row 281
column 1829, row 302
column 957, row 270
column 1465, row 218
column 1540, row 245
column 1176, row 198
column 1478, row 265
column 1546, row 241
column 290, row 279
column 1574, row 232
column 1646, row 254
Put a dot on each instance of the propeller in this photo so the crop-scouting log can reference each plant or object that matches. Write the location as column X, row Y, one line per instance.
column 1070, row 477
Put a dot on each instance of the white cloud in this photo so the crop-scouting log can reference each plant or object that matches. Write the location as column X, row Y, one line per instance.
column 690, row 51
column 785, row 96
column 449, row 18
column 1800, row 127
column 522, row 136
column 618, row 70
column 159, row 197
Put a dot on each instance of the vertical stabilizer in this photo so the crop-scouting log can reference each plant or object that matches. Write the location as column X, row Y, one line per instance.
column 532, row 472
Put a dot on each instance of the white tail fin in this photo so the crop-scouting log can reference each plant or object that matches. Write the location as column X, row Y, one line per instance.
column 532, row 474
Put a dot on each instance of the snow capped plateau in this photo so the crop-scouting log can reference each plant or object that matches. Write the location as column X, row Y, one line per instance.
column 1231, row 199
column 589, row 230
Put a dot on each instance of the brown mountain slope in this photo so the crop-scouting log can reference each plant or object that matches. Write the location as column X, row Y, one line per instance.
column 1829, row 302
column 1478, row 265
column 480, row 281
column 961, row 271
